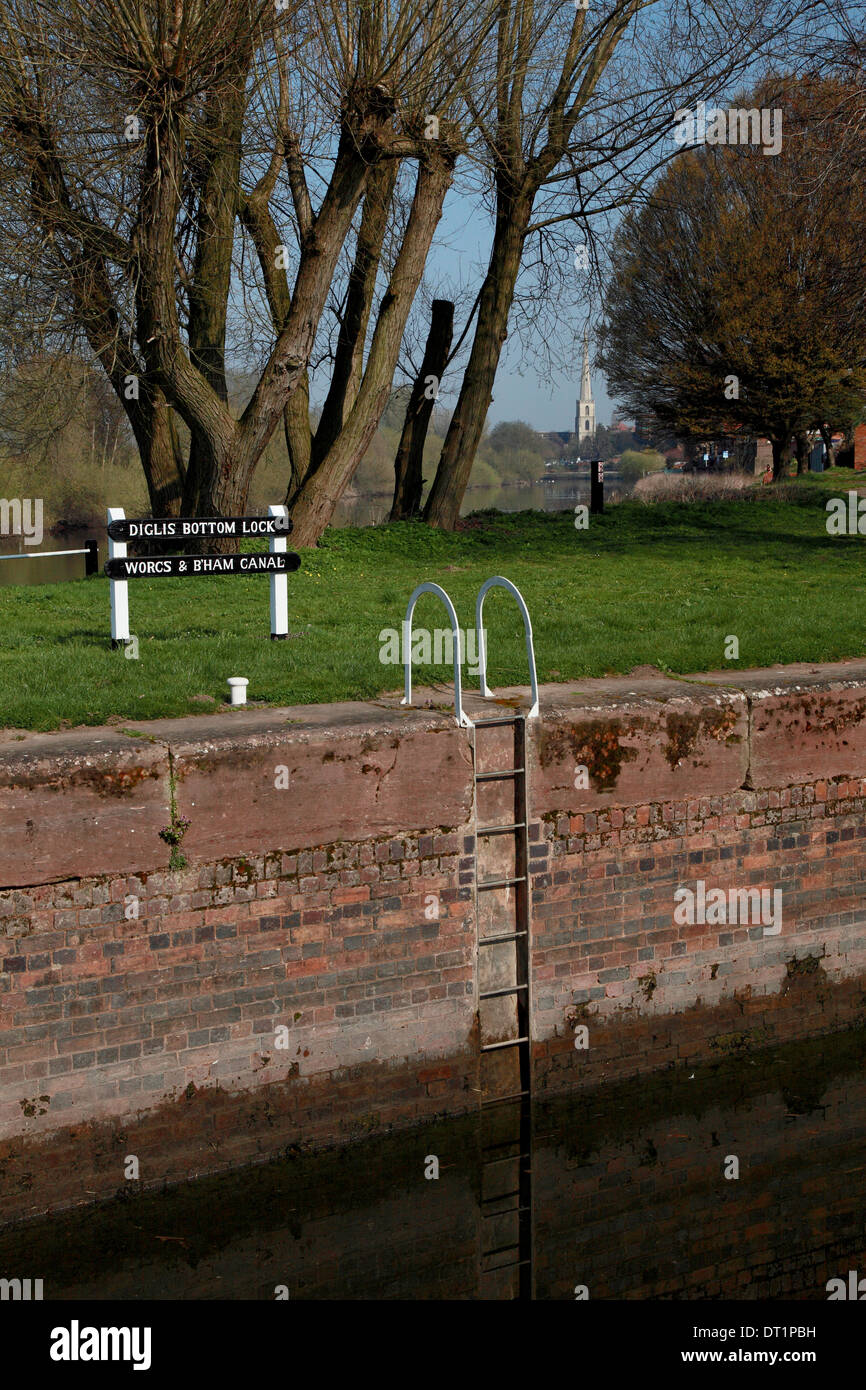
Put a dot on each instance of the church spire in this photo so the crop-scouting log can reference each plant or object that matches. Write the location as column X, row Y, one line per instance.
column 585, row 419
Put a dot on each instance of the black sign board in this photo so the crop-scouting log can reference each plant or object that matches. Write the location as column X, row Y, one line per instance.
column 180, row 528
column 156, row 566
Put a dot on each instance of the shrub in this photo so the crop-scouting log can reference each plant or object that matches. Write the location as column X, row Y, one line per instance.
column 483, row 475
column 634, row 465
column 692, row 487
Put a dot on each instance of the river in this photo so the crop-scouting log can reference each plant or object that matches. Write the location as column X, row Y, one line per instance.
column 560, row 495
column 553, row 496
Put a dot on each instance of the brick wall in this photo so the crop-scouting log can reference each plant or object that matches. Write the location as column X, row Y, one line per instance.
column 328, row 904
column 608, row 955
column 176, row 1010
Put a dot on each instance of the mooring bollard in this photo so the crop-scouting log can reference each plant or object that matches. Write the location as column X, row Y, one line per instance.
column 596, row 487
column 238, row 687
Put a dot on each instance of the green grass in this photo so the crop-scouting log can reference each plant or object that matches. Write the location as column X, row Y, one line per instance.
column 664, row 584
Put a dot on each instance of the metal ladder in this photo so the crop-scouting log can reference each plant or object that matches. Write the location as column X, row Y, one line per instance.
column 503, row 954
column 502, row 958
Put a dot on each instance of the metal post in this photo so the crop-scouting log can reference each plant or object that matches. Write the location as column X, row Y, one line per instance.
column 119, row 587
column 91, row 558
column 482, row 638
column 279, row 582
column 596, row 487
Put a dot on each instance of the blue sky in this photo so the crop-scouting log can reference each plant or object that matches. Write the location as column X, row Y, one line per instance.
column 459, row 258
column 547, row 405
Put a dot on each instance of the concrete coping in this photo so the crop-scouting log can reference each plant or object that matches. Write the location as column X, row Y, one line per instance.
column 432, row 709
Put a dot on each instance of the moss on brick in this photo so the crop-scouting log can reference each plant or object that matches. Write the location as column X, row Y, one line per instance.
column 685, row 730
column 597, row 746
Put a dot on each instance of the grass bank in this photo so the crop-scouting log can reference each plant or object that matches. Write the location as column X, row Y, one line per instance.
column 665, row 584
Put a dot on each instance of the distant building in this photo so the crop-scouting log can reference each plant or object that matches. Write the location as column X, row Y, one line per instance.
column 584, row 420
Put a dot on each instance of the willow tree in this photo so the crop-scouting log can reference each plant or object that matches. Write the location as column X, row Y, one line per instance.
column 576, row 102
column 142, row 145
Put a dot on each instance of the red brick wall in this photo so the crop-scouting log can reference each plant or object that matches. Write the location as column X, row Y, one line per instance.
column 607, row 953
column 103, row 1017
column 342, row 909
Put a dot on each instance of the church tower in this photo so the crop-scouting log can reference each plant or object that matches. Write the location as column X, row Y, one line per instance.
column 584, row 422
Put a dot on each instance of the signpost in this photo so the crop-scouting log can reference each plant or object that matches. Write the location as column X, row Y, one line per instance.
column 277, row 563
column 181, row 528
column 152, row 566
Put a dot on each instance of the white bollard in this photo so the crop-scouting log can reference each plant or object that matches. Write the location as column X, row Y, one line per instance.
column 238, row 687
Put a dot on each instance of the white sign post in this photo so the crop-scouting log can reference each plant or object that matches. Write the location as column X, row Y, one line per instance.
column 279, row 582
column 119, row 588
column 277, row 564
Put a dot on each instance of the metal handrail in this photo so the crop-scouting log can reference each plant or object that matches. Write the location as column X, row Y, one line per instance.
column 463, row 720
column 37, row 554
column 482, row 643
column 90, row 551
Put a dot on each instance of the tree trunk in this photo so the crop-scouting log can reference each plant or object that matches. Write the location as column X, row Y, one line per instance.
column 298, row 436
column 154, row 427
column 220, row 137
column 227, row 451
column 781, row 455
column 408, row 482
column 829, row 451
column 802, row 446
column 320, row 253
column 349, row 355
column 256, row 218
column 163, row 464
column 476, row 392
column 314, row 505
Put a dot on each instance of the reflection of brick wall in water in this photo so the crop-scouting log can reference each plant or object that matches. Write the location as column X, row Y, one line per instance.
column 650, row 1214
column 629, row 1197
column 358, row 1223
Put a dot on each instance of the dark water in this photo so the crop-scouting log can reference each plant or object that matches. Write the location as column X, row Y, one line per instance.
column 627, row 1194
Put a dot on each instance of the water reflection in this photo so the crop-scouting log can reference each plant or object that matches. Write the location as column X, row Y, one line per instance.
column 629, row 1195
column 558, row 495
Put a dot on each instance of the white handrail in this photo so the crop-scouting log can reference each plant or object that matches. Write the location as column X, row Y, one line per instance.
column 279, row 582
column 37, row 554
column 482, row 644
column 463, row 720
